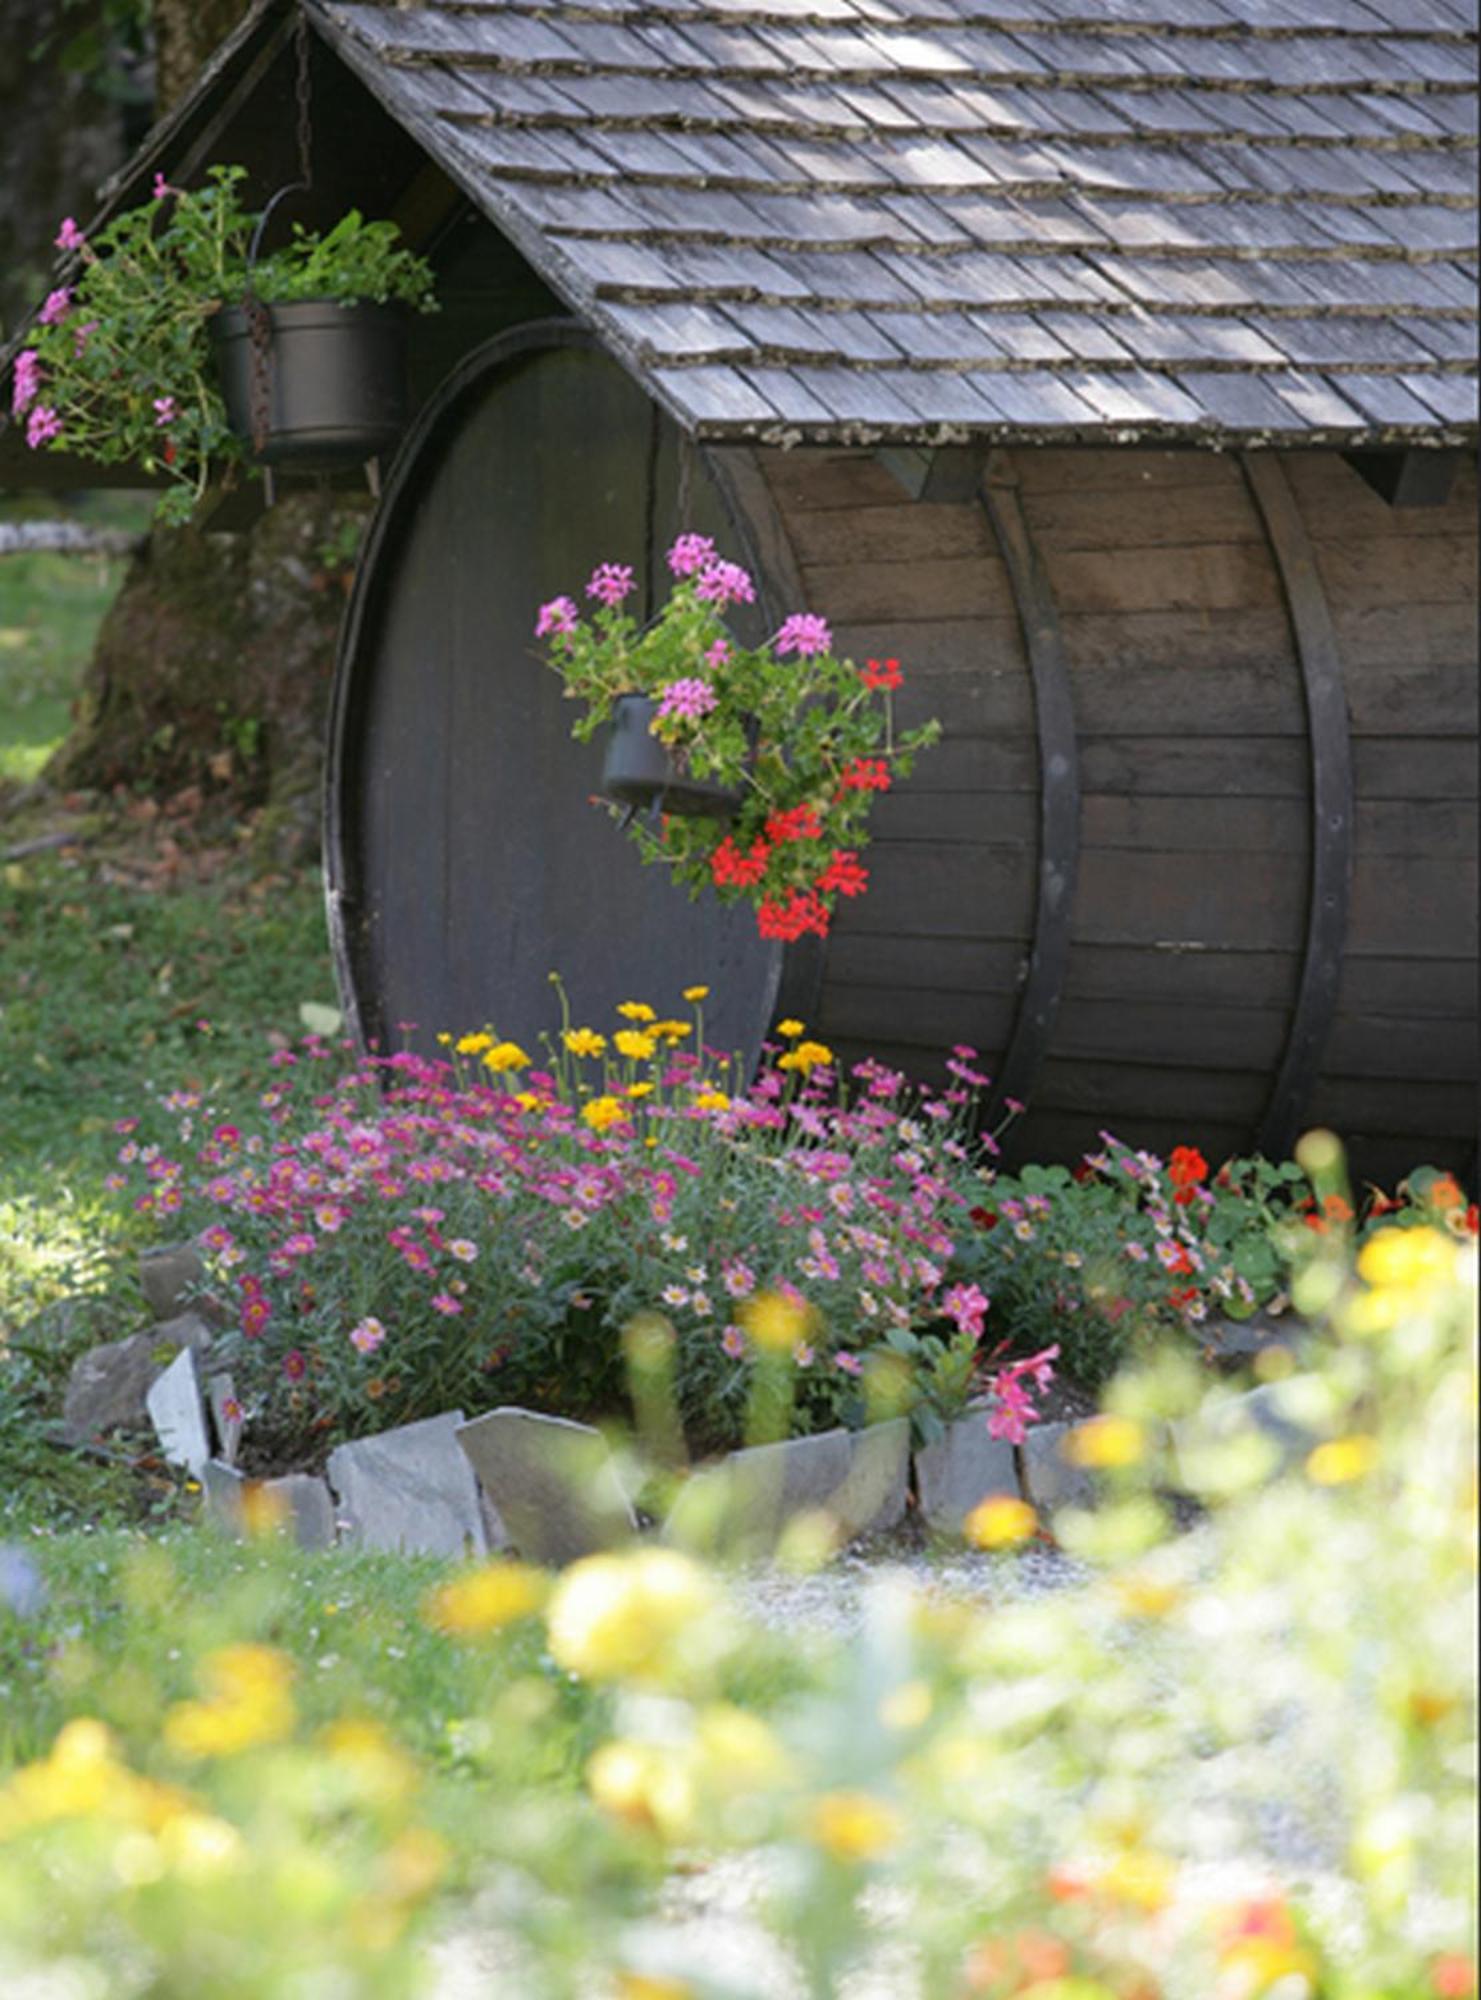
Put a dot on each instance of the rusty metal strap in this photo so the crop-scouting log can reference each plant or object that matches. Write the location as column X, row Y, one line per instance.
column 1330, row 746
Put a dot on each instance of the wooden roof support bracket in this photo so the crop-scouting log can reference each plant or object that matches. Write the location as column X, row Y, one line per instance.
column 943, row 472
column 1407, row 478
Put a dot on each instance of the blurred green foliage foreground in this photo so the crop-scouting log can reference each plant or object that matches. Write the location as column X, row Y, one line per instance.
column 1233, row 1762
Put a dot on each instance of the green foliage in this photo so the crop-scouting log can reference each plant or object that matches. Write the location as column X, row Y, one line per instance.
column 1236, row 1763
column 121, row 369
column 800, row 737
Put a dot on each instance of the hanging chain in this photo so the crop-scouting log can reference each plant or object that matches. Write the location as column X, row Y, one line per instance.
column 682, row 523
column 259, row 323
column 305, row 121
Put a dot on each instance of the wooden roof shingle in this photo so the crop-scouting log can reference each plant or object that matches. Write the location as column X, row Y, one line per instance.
column 1248, row 220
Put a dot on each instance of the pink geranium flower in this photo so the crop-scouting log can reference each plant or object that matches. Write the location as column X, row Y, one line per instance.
column 58, row 305
column 43, row 426
column 25, row 381
column 610, row 583
column 690, row 554
column 69, row 236
column 559, row 615
column 804, row 635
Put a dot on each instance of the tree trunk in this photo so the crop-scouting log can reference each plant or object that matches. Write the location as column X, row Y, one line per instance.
column 210, row 678
column 186, row 32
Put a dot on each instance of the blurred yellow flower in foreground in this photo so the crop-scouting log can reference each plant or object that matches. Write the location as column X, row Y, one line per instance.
column 696, row 993
column 81, row 1777
column 472, row 1045
column 1411, row 1260
column 637, row 1046
column 790, row 1028
column 1105, row 1443
column 636, row 1010
column 853, row 1826
column 775, row 1322
column 646, row 1615
column 638, row 1986
column 1000, row 1522
column 1341, row 1460
column 247, row 1702
column 584, row 1041
column 711, row 1100
column 487, row 1599
column 645, row 1784
column 601, row 1113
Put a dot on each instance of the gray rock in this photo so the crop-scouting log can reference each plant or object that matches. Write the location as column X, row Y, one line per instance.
column 742, row 1505
column 108, row 1385
column 961, row 1468
column 306, row 1503
column 225, row 1415
column 223, row 1487
column 555, row 1484
column 178, row 1413
column 310, row 1508
column 1050, row 1480
column 1239, row 1339
column 410, row 1489
column 171, row 1278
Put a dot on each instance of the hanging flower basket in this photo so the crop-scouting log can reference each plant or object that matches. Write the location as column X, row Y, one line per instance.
column 312, row 382
column 640, row 770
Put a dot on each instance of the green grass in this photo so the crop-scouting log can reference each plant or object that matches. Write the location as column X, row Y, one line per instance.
column 126, row 1619
column 50, row 607
column 117, row 977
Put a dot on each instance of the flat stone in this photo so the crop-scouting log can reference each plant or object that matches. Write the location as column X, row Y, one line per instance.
column 223, row 1487
column 226, row 1420
column 1050, row 1480
column 178, row 1412
column 555, row 1484
column 310, row 1508
column 742, row 1505
column 171, row 1278
column 410, row 1489
column 306, row 1504
column 961, row 1468
column 109, row 1384
column 1240, row 1339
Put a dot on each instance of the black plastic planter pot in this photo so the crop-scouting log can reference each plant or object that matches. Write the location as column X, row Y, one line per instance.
column 334, row 380
column 640, row 770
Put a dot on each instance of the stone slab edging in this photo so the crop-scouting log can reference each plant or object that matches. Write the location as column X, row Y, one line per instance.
column 552, row 1490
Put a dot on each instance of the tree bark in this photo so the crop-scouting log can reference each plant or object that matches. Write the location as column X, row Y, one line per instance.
column 186, row 32
column 210, row 677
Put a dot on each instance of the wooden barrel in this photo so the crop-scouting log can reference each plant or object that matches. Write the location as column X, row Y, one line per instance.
column 1195, row 860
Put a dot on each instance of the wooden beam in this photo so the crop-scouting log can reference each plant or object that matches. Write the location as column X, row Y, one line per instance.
column 1059, row 785
column 1330, row 750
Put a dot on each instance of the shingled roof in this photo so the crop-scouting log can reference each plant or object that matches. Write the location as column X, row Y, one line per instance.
column 1249, row 220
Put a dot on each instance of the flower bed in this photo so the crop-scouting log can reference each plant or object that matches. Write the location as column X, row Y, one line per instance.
column 486, row 1228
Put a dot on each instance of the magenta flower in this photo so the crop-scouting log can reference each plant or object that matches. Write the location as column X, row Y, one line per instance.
column 58, row 305
column 804, row 635
column 25, row 382
column 295, row 1367
column 162, row 188
column 725, row 583
column 81, row 335
column 850, row 1364
column 718, row 654
column 610, row 583
column 165, row 411
column 691, row 553
column 43, row 426
column 367, row 1336
column 687, row 700
column 559, row 615
column 966, row 1304
column 444, row 1302
column 69, row 236
column 733, row 1342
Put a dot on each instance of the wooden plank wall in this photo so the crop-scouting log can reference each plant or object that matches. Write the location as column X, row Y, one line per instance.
column 1400, row 1070
column 1189, row 922
column 935, row 952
